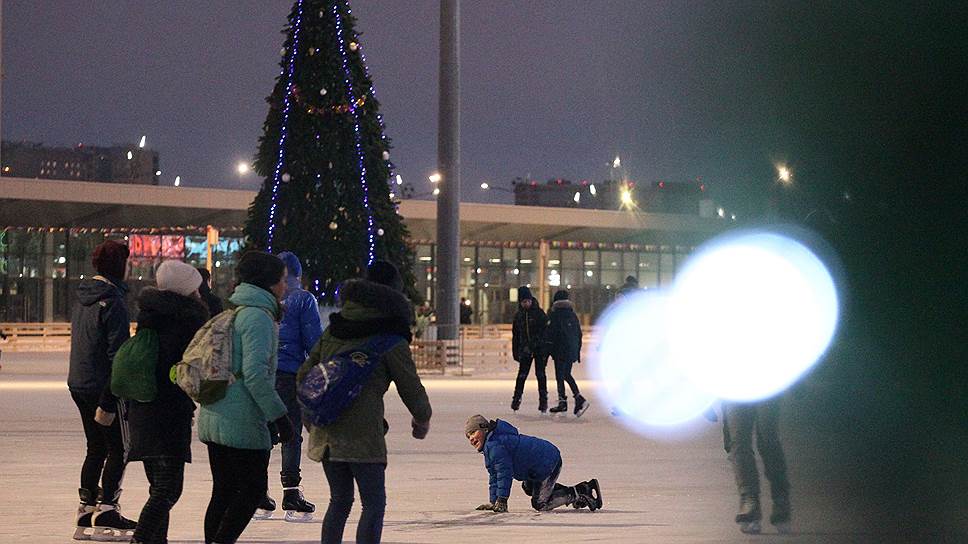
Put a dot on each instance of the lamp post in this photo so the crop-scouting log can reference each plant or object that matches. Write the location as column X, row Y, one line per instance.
column 242, row 168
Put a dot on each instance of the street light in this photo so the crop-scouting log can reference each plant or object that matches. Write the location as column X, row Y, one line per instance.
column 784, row 174
column 243, row 168
column 485, row 186
column 434, row 178
column 626, row 197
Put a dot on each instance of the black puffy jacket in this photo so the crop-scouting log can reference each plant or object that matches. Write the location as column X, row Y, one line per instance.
column 99, row 325
column 527, row 332
column 563, row 335
column 164, row 426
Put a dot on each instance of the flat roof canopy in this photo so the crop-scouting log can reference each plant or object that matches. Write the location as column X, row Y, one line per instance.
column 79, row 204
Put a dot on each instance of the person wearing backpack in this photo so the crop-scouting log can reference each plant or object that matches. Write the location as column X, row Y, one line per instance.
column 352, row 448
column 161, row 430
column 99, row 326
column 298, row 333
column 235, row 427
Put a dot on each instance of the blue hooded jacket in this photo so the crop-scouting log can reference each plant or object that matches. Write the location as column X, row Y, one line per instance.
column 301, row 326
column 509, row 456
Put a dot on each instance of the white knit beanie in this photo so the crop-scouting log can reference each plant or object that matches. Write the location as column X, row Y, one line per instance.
column 177, row 277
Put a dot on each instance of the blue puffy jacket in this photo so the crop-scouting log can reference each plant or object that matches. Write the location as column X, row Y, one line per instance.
column 300, row 328
column 509, row 455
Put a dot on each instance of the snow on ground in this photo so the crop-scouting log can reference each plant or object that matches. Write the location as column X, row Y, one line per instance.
column 654, row 491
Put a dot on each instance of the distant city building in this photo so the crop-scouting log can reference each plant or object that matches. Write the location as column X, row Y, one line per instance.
column 116, row 164
column 659, row 197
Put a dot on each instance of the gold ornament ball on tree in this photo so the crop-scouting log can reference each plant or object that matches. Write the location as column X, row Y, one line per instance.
column 333, row 226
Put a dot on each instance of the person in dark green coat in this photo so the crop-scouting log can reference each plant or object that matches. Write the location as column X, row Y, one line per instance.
column 353, row 448
column 235, row 428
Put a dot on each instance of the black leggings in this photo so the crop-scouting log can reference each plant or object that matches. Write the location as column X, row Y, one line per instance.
column 106, row 450
column 562, row 376
column 240, row 480
column 166, row 476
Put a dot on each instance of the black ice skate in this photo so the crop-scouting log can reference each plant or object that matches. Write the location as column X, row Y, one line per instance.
column 749, row 515
column 297, row 508
column 562, row 407
column 580, row 405
column 543, row 406
column 780, row 516
column 265, row 509
column 589, row 494
column 108, row 525
column 515, row 404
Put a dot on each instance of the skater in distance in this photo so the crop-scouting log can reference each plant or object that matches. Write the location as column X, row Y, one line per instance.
column 535, row 462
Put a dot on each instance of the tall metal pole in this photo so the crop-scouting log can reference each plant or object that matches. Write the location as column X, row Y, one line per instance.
column 448, row 161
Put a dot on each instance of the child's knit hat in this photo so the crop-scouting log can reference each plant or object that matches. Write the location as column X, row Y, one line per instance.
column 476, row 423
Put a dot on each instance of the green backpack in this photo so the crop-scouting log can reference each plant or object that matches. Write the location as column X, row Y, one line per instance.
column 133, row 369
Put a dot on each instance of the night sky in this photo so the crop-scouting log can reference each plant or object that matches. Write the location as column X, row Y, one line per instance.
column 717, row 90
column 862, row 98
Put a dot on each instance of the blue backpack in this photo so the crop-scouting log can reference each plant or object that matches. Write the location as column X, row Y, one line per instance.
column 331, row 386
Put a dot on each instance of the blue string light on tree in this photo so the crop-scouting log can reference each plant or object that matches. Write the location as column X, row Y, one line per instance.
column 371, row 240
column 277, row 173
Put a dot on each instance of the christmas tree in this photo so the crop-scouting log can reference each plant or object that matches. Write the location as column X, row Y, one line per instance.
column 325, row 158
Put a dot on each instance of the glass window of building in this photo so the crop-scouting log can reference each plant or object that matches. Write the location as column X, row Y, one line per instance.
column 648, row 269
column 612, row 269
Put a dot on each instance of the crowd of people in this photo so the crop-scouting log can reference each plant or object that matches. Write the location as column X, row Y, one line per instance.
column 277, row 340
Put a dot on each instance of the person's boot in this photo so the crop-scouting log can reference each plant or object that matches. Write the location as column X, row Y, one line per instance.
column 85, row 511
column 265, row 509
column 515, row 403
column 543, row 405
column 780, row 515
column 562, row 407
column 297, row 508
column 748, row 517
column 108, row 525
column 589, row 494
column 580, row 405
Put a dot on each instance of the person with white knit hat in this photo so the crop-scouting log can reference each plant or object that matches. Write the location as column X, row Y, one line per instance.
column 161, row 430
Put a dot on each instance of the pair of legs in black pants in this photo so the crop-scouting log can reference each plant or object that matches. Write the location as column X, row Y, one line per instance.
column 524, row 368
column 239, row 483
column 286, row 388
column 371, row 479
column 166, row 476
column 562, row 376
column 106, row 452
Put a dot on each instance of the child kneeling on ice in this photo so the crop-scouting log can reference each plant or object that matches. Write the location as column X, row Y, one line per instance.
column 536, row 462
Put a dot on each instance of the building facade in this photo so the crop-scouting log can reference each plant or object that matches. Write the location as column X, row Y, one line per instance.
column 117, row 164
column 51, row 227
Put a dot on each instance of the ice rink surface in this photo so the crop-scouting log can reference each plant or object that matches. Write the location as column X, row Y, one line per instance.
column 654, row 491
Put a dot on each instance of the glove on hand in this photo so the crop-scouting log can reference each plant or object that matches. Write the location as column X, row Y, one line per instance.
column 501, row 506
column 420, row 428
column 284, row 428
column 485, row 506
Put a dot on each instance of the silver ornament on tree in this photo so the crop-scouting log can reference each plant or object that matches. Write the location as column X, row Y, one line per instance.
column 386, row 155
column 286, row 177
column 379, row 232
column 282, row 51
column 323, row 91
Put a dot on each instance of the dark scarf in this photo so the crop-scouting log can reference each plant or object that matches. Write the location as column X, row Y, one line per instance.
column 346, row 329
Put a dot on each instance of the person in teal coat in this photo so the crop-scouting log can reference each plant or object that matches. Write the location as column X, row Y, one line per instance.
column 236, row 428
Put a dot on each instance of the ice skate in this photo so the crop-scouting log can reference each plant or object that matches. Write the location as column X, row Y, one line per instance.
column 543, row 406
column 749, row 515
column 590, row 494
column 560, row 408
column 297, row 508
column 780, row 517
column 265, row 509
column 581, row 405
column 85, row 512
column 108, row 525
column 515, row 404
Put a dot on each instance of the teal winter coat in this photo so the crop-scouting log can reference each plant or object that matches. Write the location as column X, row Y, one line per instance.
column 240, row 420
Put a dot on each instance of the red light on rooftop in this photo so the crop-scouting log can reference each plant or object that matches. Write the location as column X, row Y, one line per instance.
column 702, row 186
column 661, row 185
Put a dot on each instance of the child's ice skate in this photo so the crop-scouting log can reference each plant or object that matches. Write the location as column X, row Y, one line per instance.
column 589, row 494
column 297, row 508
column 85, row 511
column 780, row 517
column 581, row 404
column 749, row 515
column 265, row 509
column 562, row 408
column 108, row 525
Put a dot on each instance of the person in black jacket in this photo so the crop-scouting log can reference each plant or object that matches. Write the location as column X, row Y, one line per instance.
column 161, row 430
column 527, row 345
column 214, row 303
column 563, row 340
column 99, row 325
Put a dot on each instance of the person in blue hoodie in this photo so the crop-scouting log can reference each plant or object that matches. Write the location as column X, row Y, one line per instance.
column 509, row 455
column 298, row 333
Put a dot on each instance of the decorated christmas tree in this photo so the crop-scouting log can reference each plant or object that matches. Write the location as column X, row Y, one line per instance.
column 325, row 157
